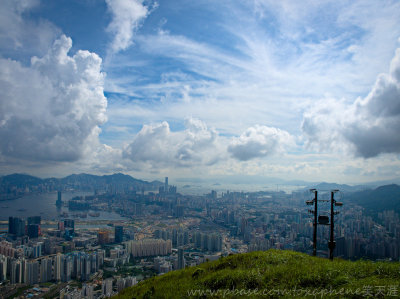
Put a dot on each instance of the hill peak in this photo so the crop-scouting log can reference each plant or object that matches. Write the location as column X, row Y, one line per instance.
column 391, row 187
column 273, row 270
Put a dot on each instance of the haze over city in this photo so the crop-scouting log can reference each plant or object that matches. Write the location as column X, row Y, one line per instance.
column 216, row 89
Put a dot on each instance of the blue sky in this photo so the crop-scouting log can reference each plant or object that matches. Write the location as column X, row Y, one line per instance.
column 282, row 89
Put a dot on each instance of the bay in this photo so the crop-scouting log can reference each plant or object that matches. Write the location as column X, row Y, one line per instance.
column 44, row 205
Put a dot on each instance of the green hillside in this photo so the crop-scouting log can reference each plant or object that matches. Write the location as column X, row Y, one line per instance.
column 383, row 198
column 274, row 274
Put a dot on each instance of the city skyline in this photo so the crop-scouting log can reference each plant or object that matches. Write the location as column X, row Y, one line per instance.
column 259, row 89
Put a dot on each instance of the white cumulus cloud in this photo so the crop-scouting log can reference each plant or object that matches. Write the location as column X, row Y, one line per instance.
column 51, row 109
column 159, row 147
column 259, row 141
column 127, row 16
column 368, row 127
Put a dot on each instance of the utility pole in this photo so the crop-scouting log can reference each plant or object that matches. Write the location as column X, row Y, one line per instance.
column 324, row 220
column 315, row 223
column 332, row 242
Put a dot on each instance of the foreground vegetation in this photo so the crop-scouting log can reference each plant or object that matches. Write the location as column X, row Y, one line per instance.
column 274, row 274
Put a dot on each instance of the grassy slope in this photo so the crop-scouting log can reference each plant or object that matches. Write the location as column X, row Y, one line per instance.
column 272, row 270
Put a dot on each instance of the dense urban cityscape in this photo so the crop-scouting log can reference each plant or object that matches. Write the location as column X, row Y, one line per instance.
column 79, row 255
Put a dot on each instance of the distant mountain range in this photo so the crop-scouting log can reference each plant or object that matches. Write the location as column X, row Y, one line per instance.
column 81, row 181
column 342, row 187
column 264, row 180
column 383, row 198
column 373, row 200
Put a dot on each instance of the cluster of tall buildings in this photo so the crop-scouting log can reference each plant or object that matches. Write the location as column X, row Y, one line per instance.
column 208, row 242
column 166, row 188
column 16, row 226
column 181, row 237
column 29, row 250
column 61, row 267
column 165, row 264
column 125, row 282
column 162, row 265
column 7, row 249
column 105, row 237
column 148, row 247
column 178, row 237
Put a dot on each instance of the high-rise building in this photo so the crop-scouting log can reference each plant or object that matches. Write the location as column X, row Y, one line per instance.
column 130, row 281
column 166, row 185
column 172, row 189
column 120, row 284
column 179, row 211
column 107, row 287
column 198, row 239
column 32, row 272
column 69, row 227
column 66, row 268
column 93, row 262
column 24, row 273
column 69, row 223
column 60, row 225
column 216, row 242
column 16, row 272
column 16, row 226
column 45, row 270
column 34, row 220
column 59, row 200
column 102, row 237
column 100, row 254
column 204, row 241
column 85, row 267
column 3, row 267
column 11, row 228
column 37, row 249
column 76, row 266
column 181, row 259
column 33, row 230
column 119, row 234
column 57, row 267
column 148, row 247
column 186, row 237
column 7, row 249
column 126, row 282
column 87, row 291
column 138, row 209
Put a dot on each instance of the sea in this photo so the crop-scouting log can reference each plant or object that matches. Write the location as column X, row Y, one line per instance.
column 44, row 205
column 193, row 188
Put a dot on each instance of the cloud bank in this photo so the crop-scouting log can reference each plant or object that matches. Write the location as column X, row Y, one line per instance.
column 368, row 127
column 51, row 110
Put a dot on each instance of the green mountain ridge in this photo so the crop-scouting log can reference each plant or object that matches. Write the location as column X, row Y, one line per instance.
column 273, row 274
column 378, row 200
column 24, row 180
